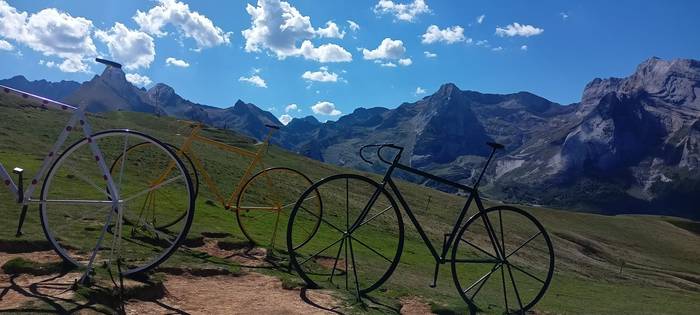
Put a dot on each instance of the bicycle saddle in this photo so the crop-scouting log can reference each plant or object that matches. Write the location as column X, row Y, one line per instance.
column 495, row 146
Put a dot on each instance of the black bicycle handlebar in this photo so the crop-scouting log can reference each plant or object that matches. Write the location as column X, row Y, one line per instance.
column 379, row 149
column 365, row 147
column 272, row 127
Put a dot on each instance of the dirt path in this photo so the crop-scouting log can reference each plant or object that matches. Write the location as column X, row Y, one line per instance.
column 252, row 293
column 224, row 294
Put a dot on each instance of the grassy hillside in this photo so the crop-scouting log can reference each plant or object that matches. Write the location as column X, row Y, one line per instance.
column 605, row 264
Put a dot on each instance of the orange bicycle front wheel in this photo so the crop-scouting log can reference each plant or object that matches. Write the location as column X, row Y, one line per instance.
column 265, row 202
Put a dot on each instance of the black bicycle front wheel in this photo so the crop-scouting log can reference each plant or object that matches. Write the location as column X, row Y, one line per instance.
column 502, row 261
column 356, row 238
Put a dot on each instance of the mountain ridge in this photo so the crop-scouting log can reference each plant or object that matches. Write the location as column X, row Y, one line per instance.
column 630, row 145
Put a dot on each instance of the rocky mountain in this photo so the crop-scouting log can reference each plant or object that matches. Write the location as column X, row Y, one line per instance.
column 243, row 117
column 630, row 145
column 53, row 90
column 110, row 91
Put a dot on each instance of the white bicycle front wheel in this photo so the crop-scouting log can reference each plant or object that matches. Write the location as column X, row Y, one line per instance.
column 76, row 202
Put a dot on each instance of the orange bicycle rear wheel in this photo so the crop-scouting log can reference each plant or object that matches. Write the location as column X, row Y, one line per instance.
column 265, row 202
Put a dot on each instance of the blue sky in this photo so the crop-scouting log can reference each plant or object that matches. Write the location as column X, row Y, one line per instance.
column 555, row 48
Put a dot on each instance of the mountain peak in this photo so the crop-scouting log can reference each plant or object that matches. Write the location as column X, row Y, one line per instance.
column 240, row 104
column 447, row 89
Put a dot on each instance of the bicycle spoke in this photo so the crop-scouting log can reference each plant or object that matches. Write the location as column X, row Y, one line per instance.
column 335, row 264
column 85, row 179
column 523, row 245
column 527, row 273
column 370, row 248
column 293, row 203
column 503, row 239
column 274, row 231
column 477, row 261
column 323, row 220
column 321, row 251
column 161, row 185
column 505, row 292
column 482, row 279
column 373, row 217
column 354, row 268
column 155, row 231
column 478, row 248
column 512, row 280
column 256, row 208
column 124, row 157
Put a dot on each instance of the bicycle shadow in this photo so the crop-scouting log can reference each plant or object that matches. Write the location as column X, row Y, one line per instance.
column 51, row 295
column 303, row 294
column 34, row 291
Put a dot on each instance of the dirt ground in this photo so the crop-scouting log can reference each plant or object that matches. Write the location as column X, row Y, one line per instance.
column 252, row 293
column 249, row 293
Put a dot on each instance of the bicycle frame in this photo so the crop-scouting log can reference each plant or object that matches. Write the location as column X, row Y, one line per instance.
column 450, row 238
column 255, row 156
column 24, row 197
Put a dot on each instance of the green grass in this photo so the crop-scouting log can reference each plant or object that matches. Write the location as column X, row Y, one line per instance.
column 604, row 264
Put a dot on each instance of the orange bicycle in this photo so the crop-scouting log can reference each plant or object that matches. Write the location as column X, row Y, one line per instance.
column 261, row 201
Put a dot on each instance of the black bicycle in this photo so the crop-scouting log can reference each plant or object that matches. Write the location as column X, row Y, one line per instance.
column 502, row 258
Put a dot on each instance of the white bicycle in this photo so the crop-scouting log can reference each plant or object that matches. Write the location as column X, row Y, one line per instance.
column 91, row 215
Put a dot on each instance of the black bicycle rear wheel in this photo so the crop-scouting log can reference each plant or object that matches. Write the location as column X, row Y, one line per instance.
column 350, row 248
column 502, row 261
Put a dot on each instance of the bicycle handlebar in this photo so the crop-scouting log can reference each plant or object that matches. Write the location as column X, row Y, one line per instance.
column 379, row 151
column 272, row 127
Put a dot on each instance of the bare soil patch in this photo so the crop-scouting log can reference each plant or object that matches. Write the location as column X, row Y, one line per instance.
column 414, row 306
column 252, row 293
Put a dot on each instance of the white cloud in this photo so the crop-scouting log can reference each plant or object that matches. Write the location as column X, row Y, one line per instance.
column 484, row 43
column 190, row 24
column 405, row 62
column 277, row 26
column 5, row 45
column 403, row 12
column 330, row 31
column 388, row 49
column 353, row 26
column 429, row 54
column 51, row 33
column 291, row 107
column 388, row 65
column 517, row 29
column 499, row 48
column 480, row 18
column 137, row 79
column 523, row 47
column 325, row 108
column 324, row 53
column 285, row 119
column 448, row 35
column 420, row 90
column 320, row 76
column 255, row 80
column 177, row 62
column 563, row 15
column 135, row 49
